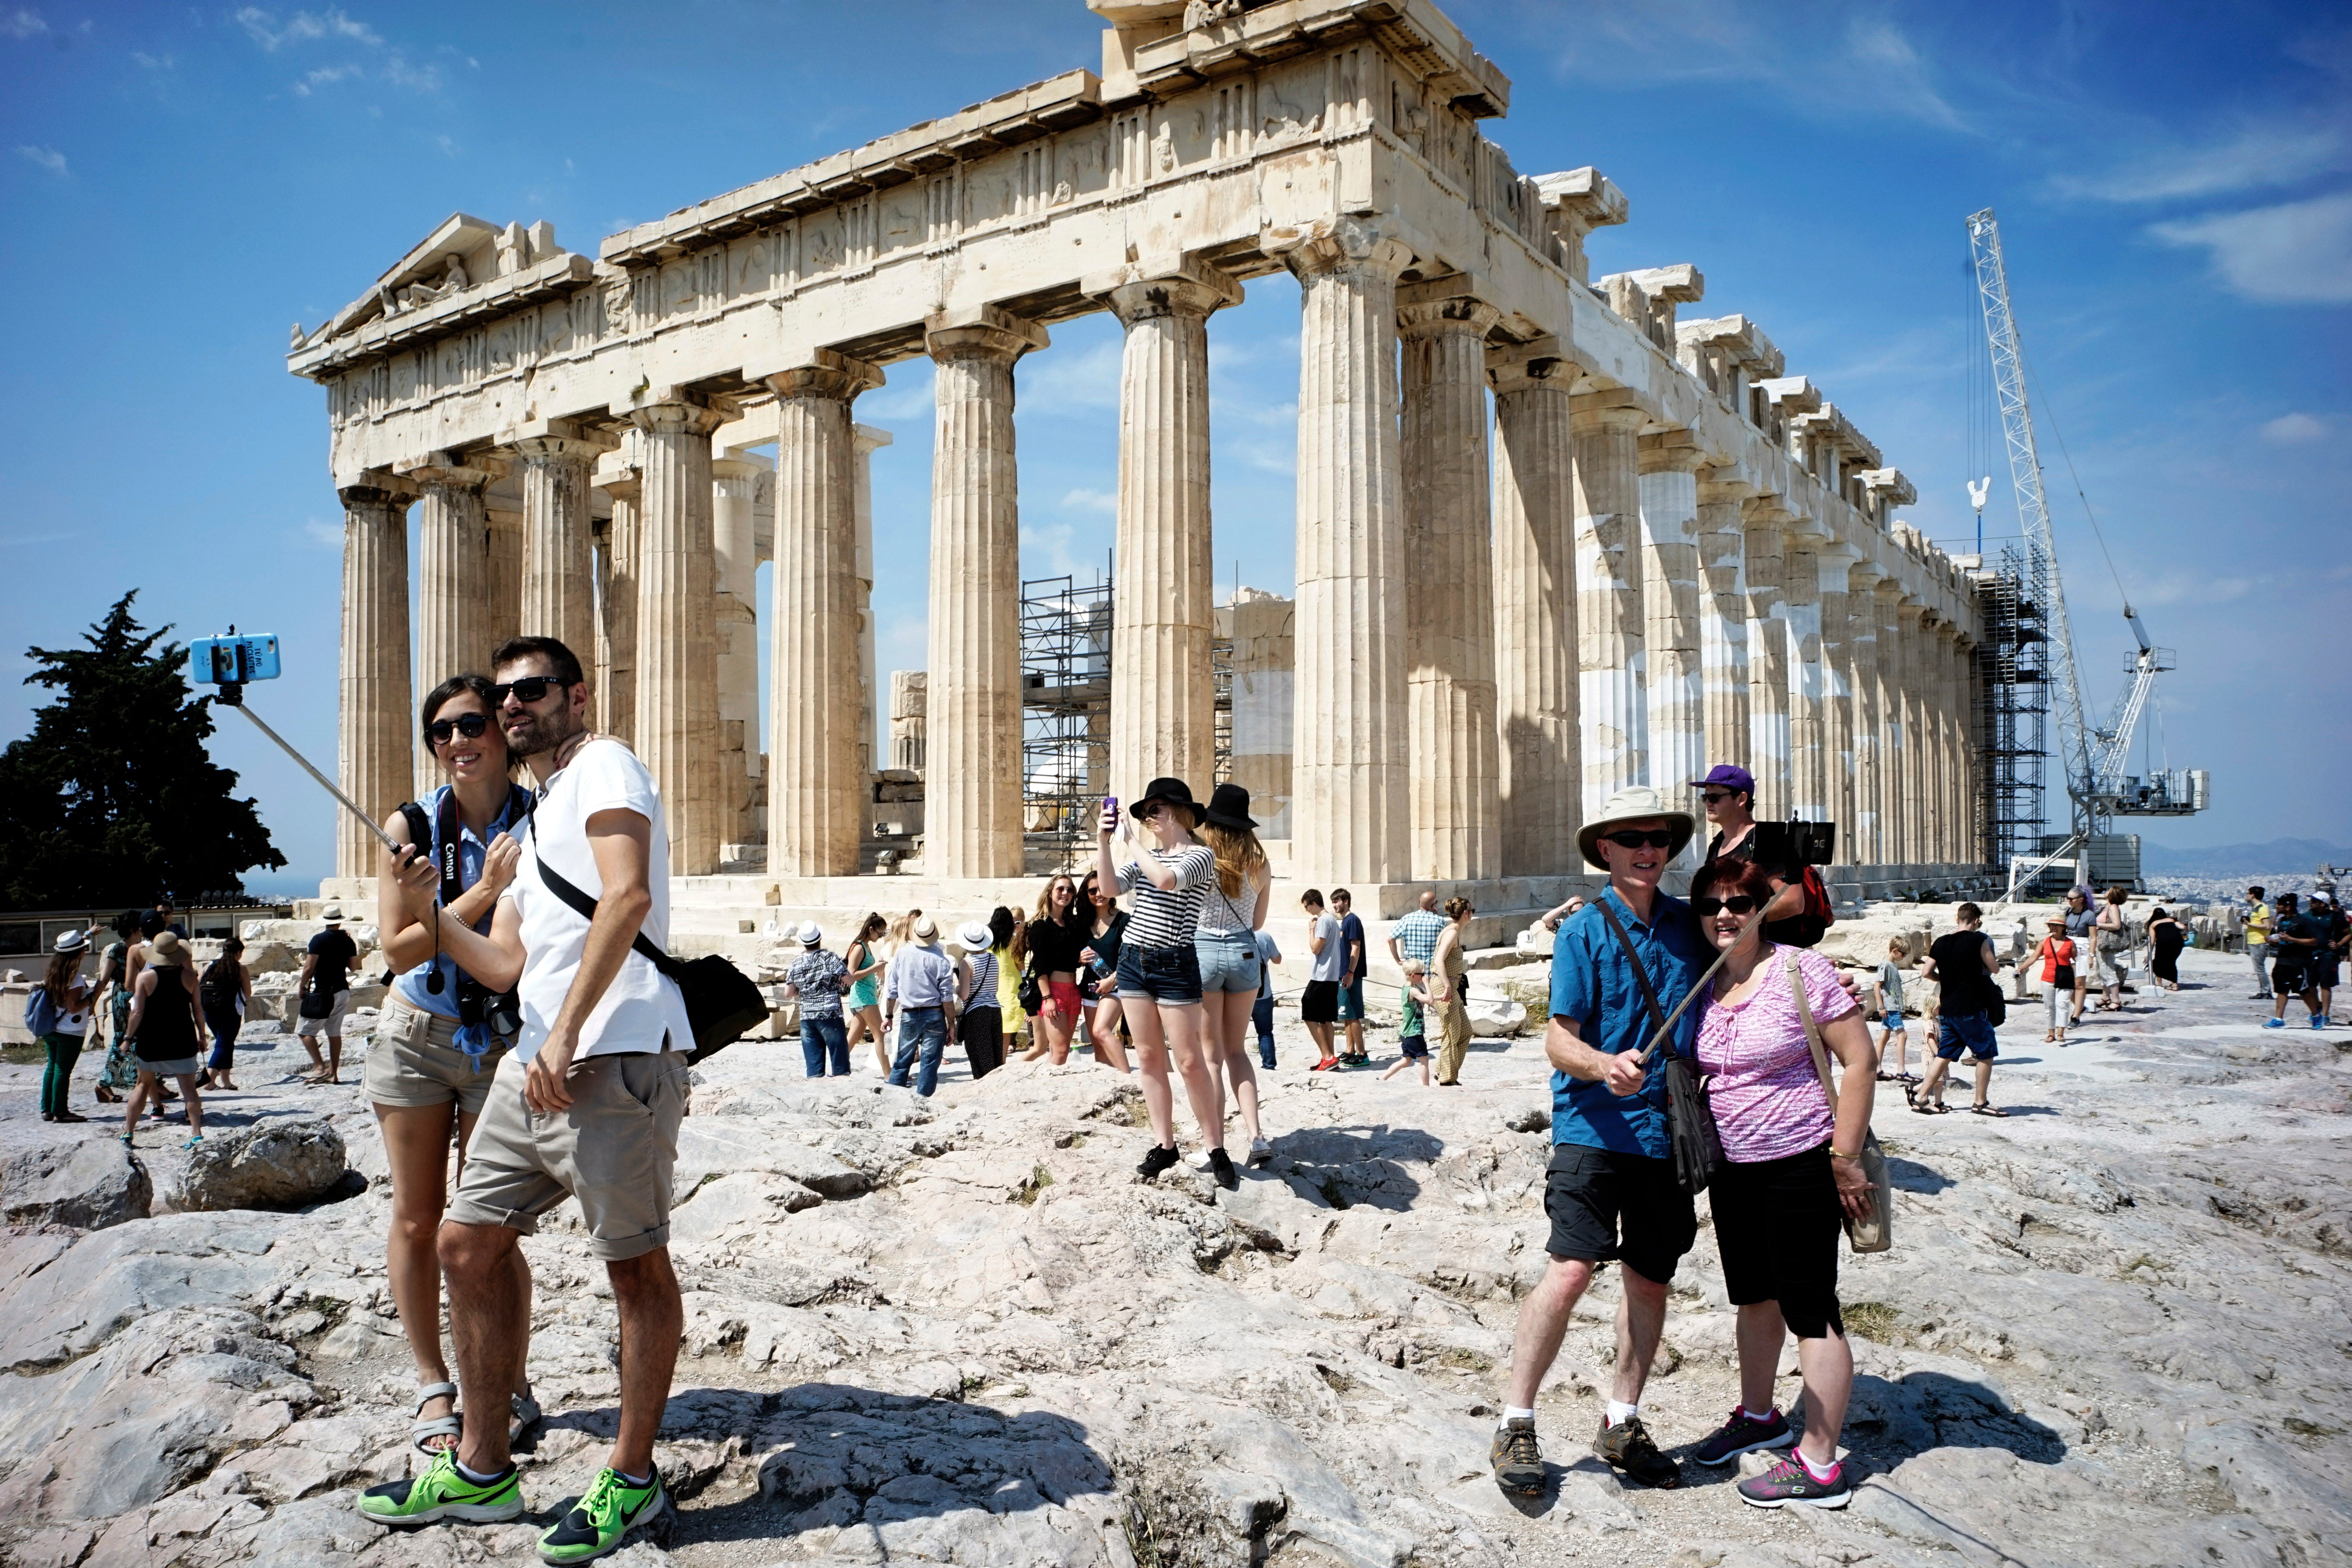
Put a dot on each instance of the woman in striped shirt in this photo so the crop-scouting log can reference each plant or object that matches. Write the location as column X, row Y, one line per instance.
column 1160, row 970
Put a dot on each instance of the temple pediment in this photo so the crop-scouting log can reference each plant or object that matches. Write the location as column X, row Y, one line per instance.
column 463, row 253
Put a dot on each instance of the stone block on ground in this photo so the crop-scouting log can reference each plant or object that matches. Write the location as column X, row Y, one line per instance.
column 273, row 1166
column 1497, row 1017
column 91, row 1183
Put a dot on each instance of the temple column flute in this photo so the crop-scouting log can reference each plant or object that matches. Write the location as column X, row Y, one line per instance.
column 1888, row 598
column 1768, row 655
column 616, row 609
column 374, row 750
column 818, row 788
column 1861, row 668
column 1669, row 468
column 972, row 812
column 735, row 631
column 1163, row 689
column 1836, row 559
column 503, row 543
column 1722, row 616
column 678, row 649
column 1455, row 785
column 1801, row 614
column 1918, row 743
column 452, row 597
column 1541, row 781
column 1613, row 698
column 1350, row 793
column 1956, row 832
column 558, row 595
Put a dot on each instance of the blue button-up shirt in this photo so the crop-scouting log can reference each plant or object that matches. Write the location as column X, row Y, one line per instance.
column 1592, row 984
column 472, row 850
column 919, row 977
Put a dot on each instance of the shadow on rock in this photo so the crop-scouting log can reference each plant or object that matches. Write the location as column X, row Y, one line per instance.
column 1910, row 1176
column 1368, row 1165
column 1888, row 1423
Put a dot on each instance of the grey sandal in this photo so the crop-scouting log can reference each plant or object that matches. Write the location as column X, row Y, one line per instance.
column 426, row 1428
column 526, row 1416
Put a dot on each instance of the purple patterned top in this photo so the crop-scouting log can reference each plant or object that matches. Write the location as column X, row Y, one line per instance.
column 1766, row 1096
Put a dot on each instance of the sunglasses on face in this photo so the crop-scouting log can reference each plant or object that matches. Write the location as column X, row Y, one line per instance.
column 1148, row 812
column 1716, row 796
column 529, row 690
column 1656, row 838
column 473, row 726
column 1738, row 904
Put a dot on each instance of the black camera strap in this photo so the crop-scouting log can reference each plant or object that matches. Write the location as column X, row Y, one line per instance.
column 585, row 906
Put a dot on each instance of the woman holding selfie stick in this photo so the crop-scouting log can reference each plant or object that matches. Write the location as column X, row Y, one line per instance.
column 428, row 1073
column 1160, row 969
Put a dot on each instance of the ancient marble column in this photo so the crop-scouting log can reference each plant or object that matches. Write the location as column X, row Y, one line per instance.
column 505, row 549
column 1162, row 691
column 1723, row 617
column 865, row 441
column 1801, row 615
column 1670, row 580
column 1862, row 671
column 735, row 565
column 1454, row 776
column 1917, row 742
column 971, row 809
column 1350, row 795
column 1768, row 655
column 817, row 790
column 1540, row 766
column 453, row 587
column 678, row 649
column 1613, row 698
column 1834, row 560
column 617, row 610
column 1892, row 846
column 558, row 597
column 374, row 751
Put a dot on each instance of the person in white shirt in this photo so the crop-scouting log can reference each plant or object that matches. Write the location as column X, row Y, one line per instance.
column 586, row 1105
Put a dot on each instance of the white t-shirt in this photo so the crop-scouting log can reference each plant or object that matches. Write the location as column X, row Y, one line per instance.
column 1332, row 962
column 640, row 1006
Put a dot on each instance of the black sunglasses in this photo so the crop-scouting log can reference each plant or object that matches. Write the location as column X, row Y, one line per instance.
column 1738, row 904
column 1713, row 795
column 473, row 726
column 1656, row 838
column 530, row 689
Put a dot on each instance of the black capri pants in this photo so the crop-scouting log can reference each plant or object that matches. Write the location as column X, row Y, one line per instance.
column 1778, row 1225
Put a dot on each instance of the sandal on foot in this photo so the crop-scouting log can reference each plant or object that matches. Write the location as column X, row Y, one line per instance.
column 426, row 1428
column 1987, row 1110
column 1929, row 1108
column 526, row 1413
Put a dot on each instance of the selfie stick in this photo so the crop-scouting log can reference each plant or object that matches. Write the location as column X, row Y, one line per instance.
column 232, row 695
column 1648, row 1050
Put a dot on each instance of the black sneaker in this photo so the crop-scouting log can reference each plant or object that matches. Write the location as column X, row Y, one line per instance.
column 1627, row 1447
column 1161, row 1158
column 1744, row 1434
column 1221, row 1165
column 1518, row 1457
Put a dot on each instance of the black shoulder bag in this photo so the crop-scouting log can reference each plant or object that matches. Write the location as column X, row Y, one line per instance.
column 721, row 1002
column 1690, row 1121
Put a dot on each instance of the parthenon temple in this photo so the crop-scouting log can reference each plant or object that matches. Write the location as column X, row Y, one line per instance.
column 1555, row 533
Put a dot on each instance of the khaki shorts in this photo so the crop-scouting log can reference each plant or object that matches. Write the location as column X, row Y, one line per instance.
column 615, row 1150
column 331, row 1024
column 414, row 1061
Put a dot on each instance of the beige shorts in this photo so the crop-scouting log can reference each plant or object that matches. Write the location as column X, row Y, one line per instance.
column 414, row 1061
column 331, row 1024
column 615, row 1150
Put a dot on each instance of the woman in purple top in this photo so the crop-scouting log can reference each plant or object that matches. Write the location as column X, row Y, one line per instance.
column 1794, row 1170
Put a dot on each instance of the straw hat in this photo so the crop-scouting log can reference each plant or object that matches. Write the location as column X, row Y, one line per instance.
column 927, row 930
column 166, row 949
column 975, row 937
column 1635, row 803
column 332, row 914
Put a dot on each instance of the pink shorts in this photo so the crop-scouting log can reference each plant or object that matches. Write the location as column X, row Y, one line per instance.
column 1062, row 999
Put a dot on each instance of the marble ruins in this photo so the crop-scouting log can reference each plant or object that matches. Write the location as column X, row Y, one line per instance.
column 1655, row 549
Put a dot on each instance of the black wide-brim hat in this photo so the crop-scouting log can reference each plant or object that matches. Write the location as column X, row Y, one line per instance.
column 1168, row 792
column 1229, row 807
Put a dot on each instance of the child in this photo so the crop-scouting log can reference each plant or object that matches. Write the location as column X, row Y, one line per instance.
column 1414, row 1045
column 1889, row 1002
column 2056, row 953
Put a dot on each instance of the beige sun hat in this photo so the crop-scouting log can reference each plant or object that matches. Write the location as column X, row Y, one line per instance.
column 332, row 914
column 166, row 949
column 927, row 930
column 1635, row 803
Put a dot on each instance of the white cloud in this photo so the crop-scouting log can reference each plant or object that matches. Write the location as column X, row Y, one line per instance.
column 421, row 79
column 153, row 62
column 49, row 158
column 2252, row 157
column 2293, row 429
column 2297, row 252
column 22, row 24
column 448, row 145
column 263, row 28
column 1092, row 501
column 326, row 76
column 325, row 535
column 1060, row 381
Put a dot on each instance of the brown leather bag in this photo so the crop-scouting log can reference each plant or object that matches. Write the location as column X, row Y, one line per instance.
column 1875, row 1233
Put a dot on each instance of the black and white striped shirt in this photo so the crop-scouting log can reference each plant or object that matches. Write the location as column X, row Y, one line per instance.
column 1168, row 918
column 984, row 981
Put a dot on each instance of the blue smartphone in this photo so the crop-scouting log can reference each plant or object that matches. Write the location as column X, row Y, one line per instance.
column 233, row 660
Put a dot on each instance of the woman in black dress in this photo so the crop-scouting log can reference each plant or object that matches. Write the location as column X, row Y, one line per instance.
column 167, row 1030
column 2168, row 936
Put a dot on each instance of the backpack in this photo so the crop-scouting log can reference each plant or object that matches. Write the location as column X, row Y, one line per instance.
column 40, row 1013
column 1816, row 898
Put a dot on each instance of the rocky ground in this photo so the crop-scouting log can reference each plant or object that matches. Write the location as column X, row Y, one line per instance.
column 2113, row 1329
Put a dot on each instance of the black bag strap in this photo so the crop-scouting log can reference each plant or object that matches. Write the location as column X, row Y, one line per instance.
column 1641, row 976
column 585, row 906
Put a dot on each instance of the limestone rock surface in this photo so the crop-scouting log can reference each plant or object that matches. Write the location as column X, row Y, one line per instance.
column 89, row 1184
column 278, row 1163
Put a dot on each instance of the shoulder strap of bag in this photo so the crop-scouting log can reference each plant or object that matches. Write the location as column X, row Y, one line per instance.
column 1813, row 1030
column 585, row 906
column 1641, row 976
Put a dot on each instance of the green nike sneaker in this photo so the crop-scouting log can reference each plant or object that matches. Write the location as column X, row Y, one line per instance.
column 599, row 1521
column 441, row 1493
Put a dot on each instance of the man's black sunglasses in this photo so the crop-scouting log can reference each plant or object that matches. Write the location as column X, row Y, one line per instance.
column 530, row 689
column 1655, row 839
column 1738, row 904
column 470, row 725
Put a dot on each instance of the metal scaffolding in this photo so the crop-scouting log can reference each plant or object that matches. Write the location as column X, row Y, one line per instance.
column 2014, row 686
column 1064, row 709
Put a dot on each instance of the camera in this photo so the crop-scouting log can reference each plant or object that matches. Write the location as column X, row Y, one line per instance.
column 1794, row 843
column 232, row 661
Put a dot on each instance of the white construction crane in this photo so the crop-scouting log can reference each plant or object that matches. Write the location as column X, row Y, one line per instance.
column 2094, row 757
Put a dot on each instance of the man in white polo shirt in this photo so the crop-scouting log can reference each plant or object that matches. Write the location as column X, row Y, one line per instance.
column 587, row 1105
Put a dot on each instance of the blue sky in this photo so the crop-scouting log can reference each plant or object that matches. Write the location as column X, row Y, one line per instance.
column 178, row 184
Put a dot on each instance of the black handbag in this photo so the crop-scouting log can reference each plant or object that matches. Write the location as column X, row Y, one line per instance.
column 1032, row 995
column 722, row 1005
column 1697, row 1147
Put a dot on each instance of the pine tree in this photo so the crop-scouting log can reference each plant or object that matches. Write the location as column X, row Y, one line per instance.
column 112, row 798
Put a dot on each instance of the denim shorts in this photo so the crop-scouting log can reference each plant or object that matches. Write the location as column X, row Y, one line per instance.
column 1169, row 975
column 1971, row 1032
column 1228, row 963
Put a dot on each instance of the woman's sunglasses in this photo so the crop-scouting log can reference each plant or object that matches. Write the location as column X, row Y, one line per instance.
column 1738, row 904
column 473, row 726
column 530, row 689
column 1656, row 838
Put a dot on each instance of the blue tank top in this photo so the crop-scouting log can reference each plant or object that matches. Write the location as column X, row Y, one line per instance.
column 471, row 852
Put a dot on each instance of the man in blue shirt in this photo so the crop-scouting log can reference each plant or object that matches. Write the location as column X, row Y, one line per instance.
column 1611, row 1192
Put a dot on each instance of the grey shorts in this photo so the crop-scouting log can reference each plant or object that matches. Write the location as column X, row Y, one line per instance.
column 332, row 1024
column 615, row 1150
column 183, row 1067
column 414, row 1061
column 1227, row 962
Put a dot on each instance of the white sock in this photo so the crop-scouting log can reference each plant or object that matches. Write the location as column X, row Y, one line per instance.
column 1824, row 1477
column 1510, row 1414
column 1620, row 1414
column 1763, row 1416
column 477, row 1477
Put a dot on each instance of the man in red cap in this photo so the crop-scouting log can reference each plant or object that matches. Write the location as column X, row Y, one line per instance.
column 1729, row 792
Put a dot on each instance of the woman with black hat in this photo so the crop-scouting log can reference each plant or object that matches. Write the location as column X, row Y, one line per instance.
column 1233, row 908
column 1160, row 969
